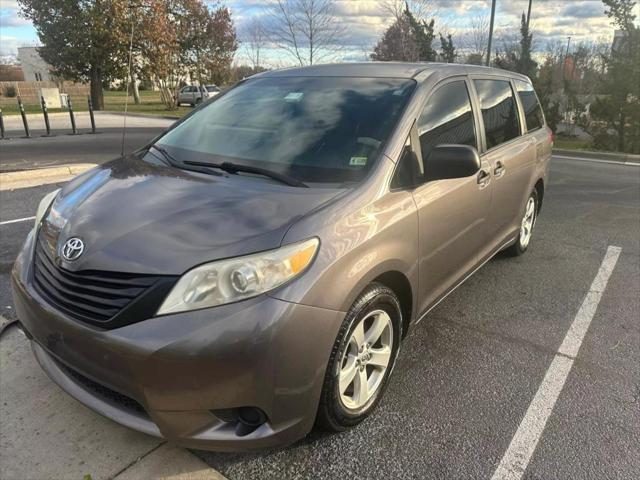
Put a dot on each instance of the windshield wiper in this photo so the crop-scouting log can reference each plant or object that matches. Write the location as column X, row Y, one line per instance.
column 167, row 156
column 234, row 168
column 176, row 163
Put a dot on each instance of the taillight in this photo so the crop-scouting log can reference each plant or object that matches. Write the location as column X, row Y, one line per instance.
column 552, row 136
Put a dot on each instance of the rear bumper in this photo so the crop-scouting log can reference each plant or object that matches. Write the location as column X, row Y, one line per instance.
column 168, row 376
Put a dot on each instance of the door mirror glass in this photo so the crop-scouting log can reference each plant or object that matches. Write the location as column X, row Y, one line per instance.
column 452, row 161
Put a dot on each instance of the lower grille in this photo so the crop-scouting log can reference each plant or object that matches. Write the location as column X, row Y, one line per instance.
column 105, row 393
column 91, row 296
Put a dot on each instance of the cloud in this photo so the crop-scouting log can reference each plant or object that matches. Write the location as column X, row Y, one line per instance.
column 9, row 18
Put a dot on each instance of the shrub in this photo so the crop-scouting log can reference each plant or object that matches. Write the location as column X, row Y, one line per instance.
column 10, row 91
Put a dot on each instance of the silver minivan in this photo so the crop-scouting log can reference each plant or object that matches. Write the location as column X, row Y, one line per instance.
column 254, row 270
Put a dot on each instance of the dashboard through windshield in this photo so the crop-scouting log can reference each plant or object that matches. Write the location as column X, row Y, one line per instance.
column 316, row 129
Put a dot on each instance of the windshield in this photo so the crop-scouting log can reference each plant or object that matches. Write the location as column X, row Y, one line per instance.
column 316, row 129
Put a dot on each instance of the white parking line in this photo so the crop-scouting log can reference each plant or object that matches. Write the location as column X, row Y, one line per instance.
column 516, row 458
column 17, row 220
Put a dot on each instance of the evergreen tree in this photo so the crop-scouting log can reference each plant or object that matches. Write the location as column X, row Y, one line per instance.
column 620, row 109
column 525, row 64
column 448, row 50
column 407, row 40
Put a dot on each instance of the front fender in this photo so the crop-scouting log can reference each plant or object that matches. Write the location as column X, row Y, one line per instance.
column 358, row 247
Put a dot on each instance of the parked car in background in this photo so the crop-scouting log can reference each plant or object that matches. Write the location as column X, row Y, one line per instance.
column 254, row 271
column 194, row 94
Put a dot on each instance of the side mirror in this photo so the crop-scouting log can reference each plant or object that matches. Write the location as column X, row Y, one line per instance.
column 451, row 161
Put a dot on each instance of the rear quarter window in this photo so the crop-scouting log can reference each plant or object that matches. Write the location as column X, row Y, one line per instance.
column 532, row 109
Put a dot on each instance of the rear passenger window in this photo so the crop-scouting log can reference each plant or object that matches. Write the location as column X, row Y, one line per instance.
column 530, row 105
column 447, row 118
column 499, row 112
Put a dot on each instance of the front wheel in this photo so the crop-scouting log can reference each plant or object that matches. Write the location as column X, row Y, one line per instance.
column 527, row 224
column 361, row 360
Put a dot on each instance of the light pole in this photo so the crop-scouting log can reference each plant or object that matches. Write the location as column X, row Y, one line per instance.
column 493, row 15
column 529, row 14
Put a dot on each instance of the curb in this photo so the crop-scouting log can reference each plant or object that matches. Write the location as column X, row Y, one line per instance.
column 41, row 176
column 139, row 115
column 594, row 155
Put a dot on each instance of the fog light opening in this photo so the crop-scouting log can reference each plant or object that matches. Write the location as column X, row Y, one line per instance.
column 251, row 416
column 245, row 419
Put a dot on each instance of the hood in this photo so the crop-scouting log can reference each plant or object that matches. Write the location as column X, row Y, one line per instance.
column 136, row 216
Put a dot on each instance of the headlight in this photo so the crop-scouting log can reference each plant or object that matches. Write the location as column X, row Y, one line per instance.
column 44, row 205
column 234, row 279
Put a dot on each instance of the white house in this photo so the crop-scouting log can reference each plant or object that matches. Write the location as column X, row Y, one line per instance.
column 35, row 69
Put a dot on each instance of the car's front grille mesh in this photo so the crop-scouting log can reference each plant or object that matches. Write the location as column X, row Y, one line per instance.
column 93, row 297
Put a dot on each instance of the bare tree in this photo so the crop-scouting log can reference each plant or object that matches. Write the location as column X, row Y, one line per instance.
column 421, row 9
column 477, row 37
column 254, row 40
column 306, row 29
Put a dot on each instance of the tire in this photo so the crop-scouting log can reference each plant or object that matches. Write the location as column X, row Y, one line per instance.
column 377, row 305
column 524, row 237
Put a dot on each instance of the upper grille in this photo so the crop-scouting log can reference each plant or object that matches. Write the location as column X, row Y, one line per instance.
column 91, row 296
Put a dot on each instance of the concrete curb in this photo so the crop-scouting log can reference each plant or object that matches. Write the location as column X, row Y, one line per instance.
column 590, row 154
column 139, row 115
column 41, row 176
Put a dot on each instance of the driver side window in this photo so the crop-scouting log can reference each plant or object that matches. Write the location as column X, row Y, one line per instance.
column 447, row 118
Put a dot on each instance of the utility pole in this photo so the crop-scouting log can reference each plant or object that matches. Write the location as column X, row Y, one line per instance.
column 565, row 57
column 529, row 14
column 493, row 16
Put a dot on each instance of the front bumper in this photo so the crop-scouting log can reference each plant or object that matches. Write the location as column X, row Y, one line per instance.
column 166, row 376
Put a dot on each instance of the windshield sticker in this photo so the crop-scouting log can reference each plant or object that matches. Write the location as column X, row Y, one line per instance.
column 294, row 96
column 358, row 161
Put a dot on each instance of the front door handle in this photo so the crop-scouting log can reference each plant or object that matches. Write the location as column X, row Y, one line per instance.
column 484, row 177
column 499, row 170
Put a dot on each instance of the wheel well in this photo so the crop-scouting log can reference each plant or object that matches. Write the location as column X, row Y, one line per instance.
column 540, row 191
column 400, row 285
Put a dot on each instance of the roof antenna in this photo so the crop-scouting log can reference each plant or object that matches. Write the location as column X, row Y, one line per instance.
column 126, row 98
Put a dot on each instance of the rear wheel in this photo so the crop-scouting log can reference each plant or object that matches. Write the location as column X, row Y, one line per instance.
column 527, row 224
column 361, row 360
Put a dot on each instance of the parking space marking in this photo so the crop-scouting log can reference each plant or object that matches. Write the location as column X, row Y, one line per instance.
column 17, row 220
column 516, row 458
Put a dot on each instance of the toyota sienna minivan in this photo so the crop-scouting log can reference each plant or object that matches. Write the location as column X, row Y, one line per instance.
column 253, row 271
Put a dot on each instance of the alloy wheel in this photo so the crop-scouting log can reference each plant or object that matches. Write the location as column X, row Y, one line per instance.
column 528, row 221
column 366, row 359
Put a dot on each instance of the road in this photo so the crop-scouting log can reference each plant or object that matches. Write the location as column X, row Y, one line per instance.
column 468, row 373
column 18, row 153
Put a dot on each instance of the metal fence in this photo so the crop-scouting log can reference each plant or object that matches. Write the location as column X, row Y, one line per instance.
column 29, row 92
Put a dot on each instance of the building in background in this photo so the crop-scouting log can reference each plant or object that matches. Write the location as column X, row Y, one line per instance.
column 34, row 68
column 619, row 39
column 11, row 73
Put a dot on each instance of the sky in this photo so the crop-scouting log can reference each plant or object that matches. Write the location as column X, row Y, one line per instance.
column 364, row 21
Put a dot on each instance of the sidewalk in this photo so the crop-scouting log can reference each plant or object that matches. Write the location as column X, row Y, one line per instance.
column 47, row 434
column 61, row 121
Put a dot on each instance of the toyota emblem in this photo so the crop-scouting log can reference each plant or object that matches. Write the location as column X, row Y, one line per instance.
column 72, row 249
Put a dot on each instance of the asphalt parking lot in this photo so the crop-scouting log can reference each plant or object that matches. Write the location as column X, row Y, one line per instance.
column 468, row 373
